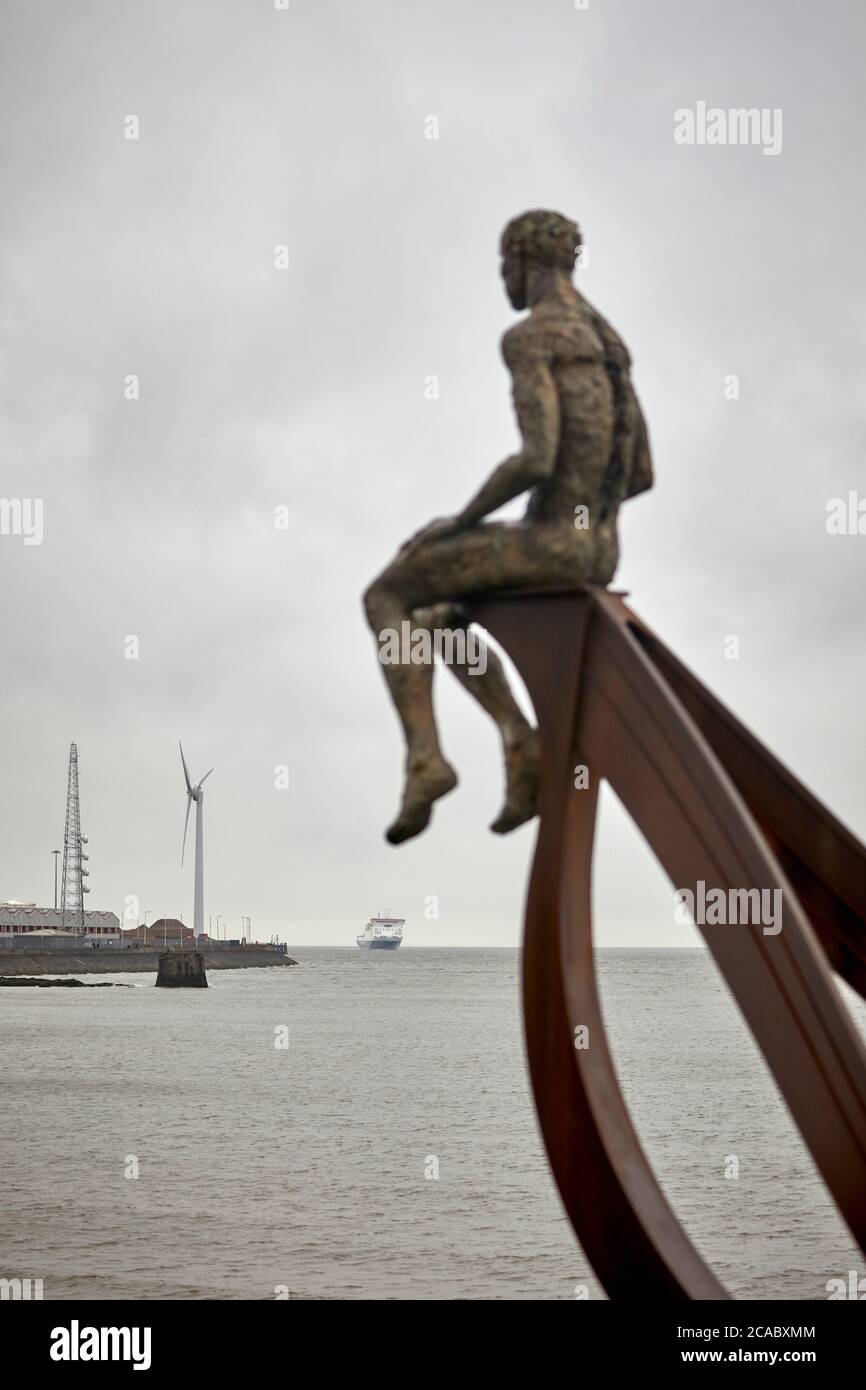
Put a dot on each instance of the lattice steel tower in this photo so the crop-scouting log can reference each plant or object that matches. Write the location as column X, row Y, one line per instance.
column 74, row 856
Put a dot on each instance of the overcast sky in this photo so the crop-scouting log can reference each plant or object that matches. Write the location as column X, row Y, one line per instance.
column 304, row 387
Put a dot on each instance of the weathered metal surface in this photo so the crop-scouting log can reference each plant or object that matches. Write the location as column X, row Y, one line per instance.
column 824, row 862
column 602, row 701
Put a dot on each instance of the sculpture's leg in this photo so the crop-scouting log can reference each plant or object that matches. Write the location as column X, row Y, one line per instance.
column 483, row 676
column 428, row 775
column 495, row 555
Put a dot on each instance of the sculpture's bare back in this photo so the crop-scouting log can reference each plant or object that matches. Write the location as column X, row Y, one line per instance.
column 584, row 451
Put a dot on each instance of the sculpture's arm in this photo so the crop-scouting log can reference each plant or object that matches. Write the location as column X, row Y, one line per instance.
column 536, row 405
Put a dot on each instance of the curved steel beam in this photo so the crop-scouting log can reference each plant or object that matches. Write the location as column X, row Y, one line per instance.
column 620, row 1214
column 600, row 701
column 824, row 862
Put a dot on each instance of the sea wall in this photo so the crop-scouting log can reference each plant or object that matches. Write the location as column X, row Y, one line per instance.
column 116, row 960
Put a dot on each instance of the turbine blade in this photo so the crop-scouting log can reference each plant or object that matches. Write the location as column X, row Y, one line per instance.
column 204, row 779
column 185, row 824
column 185, row 768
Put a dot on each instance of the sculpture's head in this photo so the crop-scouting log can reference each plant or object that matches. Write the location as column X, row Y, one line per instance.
column 539, row 238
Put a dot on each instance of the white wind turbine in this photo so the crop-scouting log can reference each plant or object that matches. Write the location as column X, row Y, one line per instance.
column 195, row 794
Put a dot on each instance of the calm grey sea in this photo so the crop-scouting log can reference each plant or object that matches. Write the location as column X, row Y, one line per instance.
column 305, row 1167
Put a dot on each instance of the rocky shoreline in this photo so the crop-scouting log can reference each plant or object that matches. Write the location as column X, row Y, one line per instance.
column 45, row 982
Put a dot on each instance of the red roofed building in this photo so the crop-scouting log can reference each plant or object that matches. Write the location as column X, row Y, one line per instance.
column 166, row 931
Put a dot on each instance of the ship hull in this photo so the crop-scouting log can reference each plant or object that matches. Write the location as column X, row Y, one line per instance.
column 377, row 945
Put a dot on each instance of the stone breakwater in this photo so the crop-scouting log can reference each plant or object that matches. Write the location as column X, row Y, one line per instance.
column 113, row 961
column 181, row 970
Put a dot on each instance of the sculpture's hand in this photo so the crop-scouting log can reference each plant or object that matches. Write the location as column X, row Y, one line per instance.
column 438, row 530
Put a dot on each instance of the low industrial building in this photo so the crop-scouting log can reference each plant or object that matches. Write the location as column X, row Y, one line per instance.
column 19, row 919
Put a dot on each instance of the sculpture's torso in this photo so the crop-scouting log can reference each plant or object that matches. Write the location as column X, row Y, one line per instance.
column 568, row 338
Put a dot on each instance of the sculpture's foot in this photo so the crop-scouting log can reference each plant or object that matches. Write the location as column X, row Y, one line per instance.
column 522, row 782
column 426, row 781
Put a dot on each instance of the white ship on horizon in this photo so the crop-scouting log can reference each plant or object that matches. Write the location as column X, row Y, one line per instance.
column 382, row 934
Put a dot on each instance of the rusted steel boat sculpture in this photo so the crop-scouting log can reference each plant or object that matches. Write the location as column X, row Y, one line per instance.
column 716, row 806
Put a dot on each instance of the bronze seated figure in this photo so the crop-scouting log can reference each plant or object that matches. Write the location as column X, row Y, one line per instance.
column 584, row 449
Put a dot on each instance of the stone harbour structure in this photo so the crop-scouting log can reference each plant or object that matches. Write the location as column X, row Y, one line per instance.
column 181, row 970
